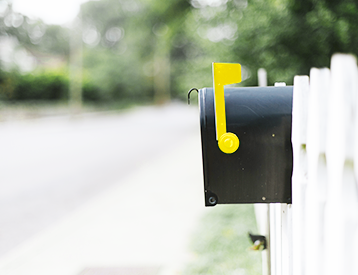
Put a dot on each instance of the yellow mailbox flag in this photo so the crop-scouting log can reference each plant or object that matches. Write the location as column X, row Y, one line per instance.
column 224, row 74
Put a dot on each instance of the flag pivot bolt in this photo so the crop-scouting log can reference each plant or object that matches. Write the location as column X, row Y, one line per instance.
column 229, row 143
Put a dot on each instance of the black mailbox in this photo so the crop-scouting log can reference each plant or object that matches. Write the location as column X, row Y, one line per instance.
column 260, row 170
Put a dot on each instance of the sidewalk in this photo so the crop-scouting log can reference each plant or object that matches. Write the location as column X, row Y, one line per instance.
column 144, row 221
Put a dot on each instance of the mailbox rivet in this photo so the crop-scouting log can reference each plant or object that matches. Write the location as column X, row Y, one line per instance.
column 273, row 135
column 263, row 198
column 212, row 200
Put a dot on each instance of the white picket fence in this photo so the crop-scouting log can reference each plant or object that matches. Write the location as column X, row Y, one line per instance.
column 318, row 233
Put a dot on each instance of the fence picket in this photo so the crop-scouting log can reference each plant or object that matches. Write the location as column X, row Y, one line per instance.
column 299, row 176
column 323, row 235
column 317, row 178
column 341, row 217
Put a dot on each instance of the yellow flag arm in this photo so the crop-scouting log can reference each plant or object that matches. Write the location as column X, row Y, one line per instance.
column 224, row 74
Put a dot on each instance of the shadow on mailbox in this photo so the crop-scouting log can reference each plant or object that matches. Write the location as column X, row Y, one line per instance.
column 260, row 169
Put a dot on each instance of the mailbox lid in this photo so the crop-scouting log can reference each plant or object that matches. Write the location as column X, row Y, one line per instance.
column 260, row 170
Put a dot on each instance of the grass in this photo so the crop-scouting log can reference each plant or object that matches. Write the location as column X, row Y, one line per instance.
column 221, row 244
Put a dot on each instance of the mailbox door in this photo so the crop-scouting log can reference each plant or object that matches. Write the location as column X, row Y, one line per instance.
column 260, row 170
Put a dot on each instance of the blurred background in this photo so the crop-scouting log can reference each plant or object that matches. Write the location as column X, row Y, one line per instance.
column 115, row 52
column 92, row 102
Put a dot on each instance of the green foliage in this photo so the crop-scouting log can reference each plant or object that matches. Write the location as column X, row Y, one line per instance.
column 115, row 76
column 90, row 92
column 34, row 35
column 43, row 86
column 126, row 42
column 54, row 41
column 289, row 37
column 221, row 244
column 286, row 37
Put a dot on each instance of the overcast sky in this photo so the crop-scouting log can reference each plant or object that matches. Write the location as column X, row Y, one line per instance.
column 51, row 11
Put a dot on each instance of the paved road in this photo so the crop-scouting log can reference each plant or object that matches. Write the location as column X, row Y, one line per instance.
column 97, row 184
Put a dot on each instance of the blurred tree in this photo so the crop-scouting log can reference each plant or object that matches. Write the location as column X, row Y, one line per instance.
column 208, row 34
column 134, row 37
column 286, row 37
column 166, row 20
column 141, row 49
column 113, row 45
column 42, row 40
column 289, row 37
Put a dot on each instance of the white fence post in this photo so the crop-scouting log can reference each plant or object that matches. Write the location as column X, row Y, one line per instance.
column 299, row 176
column 355, row 159
column 286, row 212
column 316, row 192
column 341, row 217
column 262, row 77
column 324, row 229
column 324, row 181
column 262, row 211
column 280, row 237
